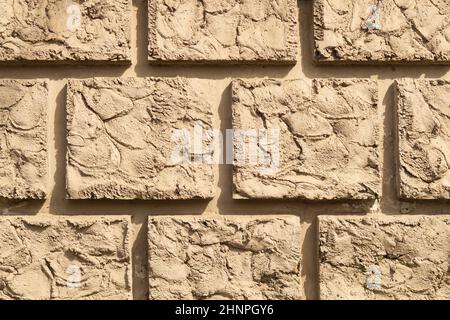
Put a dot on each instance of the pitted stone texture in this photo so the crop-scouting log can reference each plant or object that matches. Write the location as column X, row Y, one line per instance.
column 224, row 258
column 65, row 31
column 23, row 139
column 382, row 31
column 384, row 257
column 121, row 139
column 189, row 31
column 424, row 138
column 327, row 143
column 64, row 258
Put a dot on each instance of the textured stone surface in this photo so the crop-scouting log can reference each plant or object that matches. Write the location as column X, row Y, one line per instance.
column 120, row 139
column 64, row 258
column 223, row 30
column 65, row 30
column 382, row 31
column 384, row 257
column 328, row 139
column 424, row 138
column 23, row 139
column 217, row 258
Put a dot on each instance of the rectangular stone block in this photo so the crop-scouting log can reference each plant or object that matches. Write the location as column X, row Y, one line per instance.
column 23, row 139
column 124, row 135
column 423, row 108
column 382, row 257
column 224, row 258
column 307, row 139
column 65, row 31
column 264, row 31
column 388, row 31
column 64, row 258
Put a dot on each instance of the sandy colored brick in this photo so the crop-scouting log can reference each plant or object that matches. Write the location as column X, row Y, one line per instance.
column 264, row 31
column 65, row 31
column 23, row 139
column 381, row 257
column 321, row 139
column 123, row 134
column 64, row 258
column 224, row 258
column 423, row 108
column 382, row 31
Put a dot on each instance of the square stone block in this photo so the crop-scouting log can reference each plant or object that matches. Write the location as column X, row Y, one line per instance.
column 224, row 258
column 65, row 31
column 227, row 31
column 388, row 31
column 423, row 108
column 123, row 135
column 65, row 258
column 381, row 257
column 23, row 139
column 306, row 139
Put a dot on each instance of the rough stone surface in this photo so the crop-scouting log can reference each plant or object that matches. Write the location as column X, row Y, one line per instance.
column 217, row 258
column 223, row 30
column 423, row 138
column 64, row 258
column 382, row 31
column 384, row 257
column 328, row 139
column 65, row 30
column 120, row 139
column 23, row 139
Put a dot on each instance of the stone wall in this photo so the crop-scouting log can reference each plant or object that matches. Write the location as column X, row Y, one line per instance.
column 114, row 183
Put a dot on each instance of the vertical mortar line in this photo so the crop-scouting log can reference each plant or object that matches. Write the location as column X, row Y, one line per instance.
column 309, row 266
column 139, row 257
column 57, row 140
column 51, row 144
column 382, row 131
column 389, row 203
column 317, row 261
column 395, row 127
column 139, row 246
column 136, row 7
column 223, row 115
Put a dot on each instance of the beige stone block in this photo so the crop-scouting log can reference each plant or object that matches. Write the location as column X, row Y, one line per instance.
column 381, row 257
column 23, row 139
column 423, row 108
column 224, row 258
column 65, row 31
column 264, row 31
column 65, row 258
column 306, row 139
column 122, row 136
column 388, row 31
